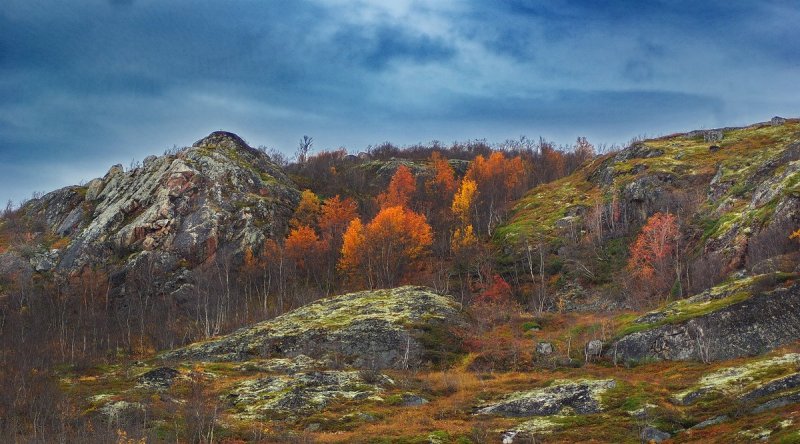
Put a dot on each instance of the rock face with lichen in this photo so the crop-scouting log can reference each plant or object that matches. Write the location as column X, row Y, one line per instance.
column 581, row 397
column 729, row 321
column 300, row 394
column 217, row 196
column 369, row 329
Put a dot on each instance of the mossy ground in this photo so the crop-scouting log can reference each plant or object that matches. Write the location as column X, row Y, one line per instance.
column 453, row 396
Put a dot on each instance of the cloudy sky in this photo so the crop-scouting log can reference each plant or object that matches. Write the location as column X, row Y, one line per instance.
column 85, row 84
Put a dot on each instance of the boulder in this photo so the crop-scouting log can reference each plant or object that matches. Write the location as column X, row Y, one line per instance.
column 159, row 378
column 285, row 396
column 594, row 348
column 368, row 329
column 581, row 396
column 746, row 383
column 544, row 348
column 652, row 434
column 736, row 324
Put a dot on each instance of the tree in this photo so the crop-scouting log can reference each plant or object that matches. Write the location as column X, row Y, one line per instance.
column 463, row 203
column 303, row 148
column 308, row 210
column 652, row 256
column 307, row 251
column 401, row 188
column 499, row 180
column 384, row 249
column 336, row 216
column 439, row 189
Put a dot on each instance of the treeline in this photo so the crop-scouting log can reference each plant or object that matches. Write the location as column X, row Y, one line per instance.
column 427, row 222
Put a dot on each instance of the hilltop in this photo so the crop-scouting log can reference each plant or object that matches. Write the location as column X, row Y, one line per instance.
column 437, row 294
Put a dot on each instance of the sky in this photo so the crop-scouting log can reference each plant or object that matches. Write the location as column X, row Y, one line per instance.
column 86, row 84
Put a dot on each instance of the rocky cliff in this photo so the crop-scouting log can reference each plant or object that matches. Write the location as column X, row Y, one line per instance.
column 219, row 196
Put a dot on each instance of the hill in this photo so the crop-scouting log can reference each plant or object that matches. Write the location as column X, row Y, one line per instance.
column 436, row 294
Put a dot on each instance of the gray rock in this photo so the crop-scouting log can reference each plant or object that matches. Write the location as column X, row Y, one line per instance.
column 652, row 434
column 773, row 387
column 594, row 348
column 300, row 394
column 544, row 348
column 746, row 328
column 159, row 378
column 711, row 422
column 219, row 196
column 412, row 400
column 369, row 329
column 148, row 161
column 45, row 261
column 581, row 396
column 777, row 403
column 777, row 120
column 713, row 136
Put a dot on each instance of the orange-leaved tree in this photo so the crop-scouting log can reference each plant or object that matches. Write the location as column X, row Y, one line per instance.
column 401, row 189
column 336, row 215
column 440, row 185
column 499, row 180
column 463, row 207
column 381, row 251
column 651, row 264
column 306, row 251
column 307, row 211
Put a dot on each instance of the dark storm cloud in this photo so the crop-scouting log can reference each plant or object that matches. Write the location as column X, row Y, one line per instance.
column 89, row 83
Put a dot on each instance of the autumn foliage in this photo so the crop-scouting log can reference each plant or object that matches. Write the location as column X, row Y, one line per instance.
column 401, row 189
column 499, row 180
column 381, row 251
column 652, row 256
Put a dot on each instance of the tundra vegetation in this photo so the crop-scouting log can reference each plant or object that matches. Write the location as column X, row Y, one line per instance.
column 515, row 292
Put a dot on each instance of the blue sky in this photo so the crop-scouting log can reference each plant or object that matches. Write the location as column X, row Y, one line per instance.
column 87, row 84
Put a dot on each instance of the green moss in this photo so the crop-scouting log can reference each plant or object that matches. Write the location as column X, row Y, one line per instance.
column 715, row 299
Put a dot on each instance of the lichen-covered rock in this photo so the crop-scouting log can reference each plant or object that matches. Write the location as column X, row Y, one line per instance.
column 652, row 434
column 715, row 326
column 300, row 394
column 220, row 195
column 582, row 397
column 747, row 382
column 159, row 378
column 368, row 329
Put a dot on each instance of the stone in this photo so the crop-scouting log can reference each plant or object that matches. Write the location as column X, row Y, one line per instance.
column 544, row 348
column 301, row 394
column 745, row 326
column 745, row 382
column 777, row 120
column 652, row 434
column 369, row 329
column 412, row 400
column 594, row 348
column 711, row 422
column 148, row 161
column 580, row 396
column 159, row 378
column 713, row 135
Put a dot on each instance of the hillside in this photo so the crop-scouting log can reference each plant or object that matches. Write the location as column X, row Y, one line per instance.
column 463, row 294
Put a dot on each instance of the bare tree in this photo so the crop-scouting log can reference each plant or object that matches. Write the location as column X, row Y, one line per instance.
column 304, row 148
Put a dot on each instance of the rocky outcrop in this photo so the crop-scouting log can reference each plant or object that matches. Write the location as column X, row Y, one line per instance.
column 369, row 329
column 714, row 326
column 282, row 396
column 580, row 397
column 757, row 386
column 217, row 196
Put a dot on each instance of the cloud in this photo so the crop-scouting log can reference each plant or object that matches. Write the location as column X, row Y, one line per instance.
column 86, row 84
